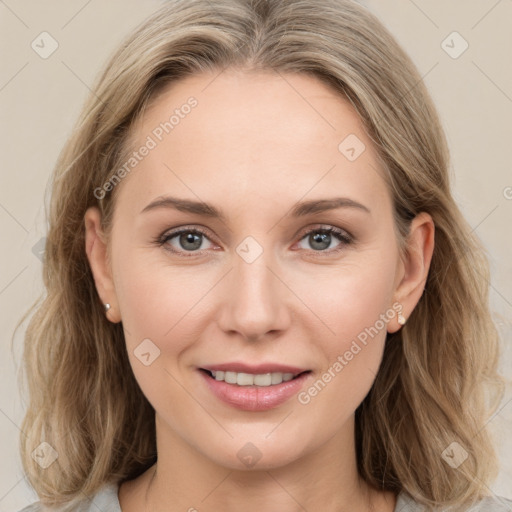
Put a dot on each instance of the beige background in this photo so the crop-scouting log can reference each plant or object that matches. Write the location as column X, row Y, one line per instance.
column 40, row 100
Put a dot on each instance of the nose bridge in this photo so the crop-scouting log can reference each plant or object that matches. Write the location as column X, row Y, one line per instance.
column 254, row 303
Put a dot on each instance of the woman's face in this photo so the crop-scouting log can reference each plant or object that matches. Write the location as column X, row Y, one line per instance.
column 260, row 163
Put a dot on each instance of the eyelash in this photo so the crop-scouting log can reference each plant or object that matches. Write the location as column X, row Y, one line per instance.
column 343, row 236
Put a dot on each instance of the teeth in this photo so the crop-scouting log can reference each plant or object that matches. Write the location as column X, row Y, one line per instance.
column 248, row 379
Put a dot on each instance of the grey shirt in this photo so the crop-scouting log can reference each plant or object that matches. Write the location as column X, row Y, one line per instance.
column 106, row 500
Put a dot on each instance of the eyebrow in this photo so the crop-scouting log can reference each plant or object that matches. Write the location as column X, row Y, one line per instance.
column 300, row 209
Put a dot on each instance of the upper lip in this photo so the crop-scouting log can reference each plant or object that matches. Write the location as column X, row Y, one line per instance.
column 257, row 369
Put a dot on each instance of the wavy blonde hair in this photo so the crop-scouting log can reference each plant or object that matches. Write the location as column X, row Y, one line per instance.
column 438, row 381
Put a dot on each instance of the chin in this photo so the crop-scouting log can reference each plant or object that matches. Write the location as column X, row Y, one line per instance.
column 256, row 454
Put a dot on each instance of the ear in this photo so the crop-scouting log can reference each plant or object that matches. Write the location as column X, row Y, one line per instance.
column 415, row 266
column 96, row 250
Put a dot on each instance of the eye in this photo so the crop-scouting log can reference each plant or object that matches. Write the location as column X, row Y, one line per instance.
column 323, row 238
column 184, row 240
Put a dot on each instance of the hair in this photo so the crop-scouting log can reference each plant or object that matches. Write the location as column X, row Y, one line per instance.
column 438, row 381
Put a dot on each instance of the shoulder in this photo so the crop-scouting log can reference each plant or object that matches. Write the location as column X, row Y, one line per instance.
column 106, row 500
column 406, row 503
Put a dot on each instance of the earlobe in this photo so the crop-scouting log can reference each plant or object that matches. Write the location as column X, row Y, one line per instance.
column 416, row 265
column 96, row 250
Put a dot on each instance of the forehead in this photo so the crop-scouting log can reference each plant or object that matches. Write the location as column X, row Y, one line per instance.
column 269, row 135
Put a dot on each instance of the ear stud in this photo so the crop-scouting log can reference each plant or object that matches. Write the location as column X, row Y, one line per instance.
column 401, row 318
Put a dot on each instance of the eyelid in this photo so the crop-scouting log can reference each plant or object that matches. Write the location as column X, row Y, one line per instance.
column 325, row 227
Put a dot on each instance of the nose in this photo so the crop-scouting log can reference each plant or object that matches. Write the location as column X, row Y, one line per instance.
column 256, row 302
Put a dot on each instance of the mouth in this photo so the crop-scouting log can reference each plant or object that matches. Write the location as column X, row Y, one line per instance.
column 256, row 388
column 244, row 379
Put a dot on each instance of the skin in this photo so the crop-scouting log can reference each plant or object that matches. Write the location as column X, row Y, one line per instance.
column 256, row 144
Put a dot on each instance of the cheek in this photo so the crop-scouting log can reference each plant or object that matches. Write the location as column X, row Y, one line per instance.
column 360, row 305
column 160, row 302
column 355, row 307
column 160, row 308
column 155, row 299
column 352, row 297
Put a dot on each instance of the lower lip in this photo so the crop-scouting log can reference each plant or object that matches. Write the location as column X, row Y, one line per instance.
column 254, row 398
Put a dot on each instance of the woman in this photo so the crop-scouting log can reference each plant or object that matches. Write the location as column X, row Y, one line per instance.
column 261, row 293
